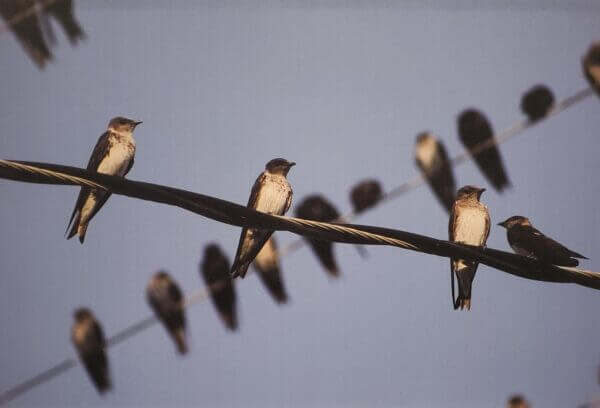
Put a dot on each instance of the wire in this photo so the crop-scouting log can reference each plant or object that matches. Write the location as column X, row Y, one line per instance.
column 498, row 259
column 17, row 18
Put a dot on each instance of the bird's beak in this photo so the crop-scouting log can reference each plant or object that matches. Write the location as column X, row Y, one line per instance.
column 480, row 192
column 135, row 123
column 291, row 164
column 502, row 224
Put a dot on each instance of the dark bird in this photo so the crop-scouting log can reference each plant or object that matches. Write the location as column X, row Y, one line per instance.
column 476, row 135
column 525, row 240
column 271, row 194
column 432, row 160
column 537, row 102
column 365, row 195
column 591, row 66
column 517, row 401
column 23, row 19
column 317, row 208
column 214, row 269
column 266, row 264
column 114, row 154
column 166, row 300
column 469, row 224
column 88, row 339
column 62, row 11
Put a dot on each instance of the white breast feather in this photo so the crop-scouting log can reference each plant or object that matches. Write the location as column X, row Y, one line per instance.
column 118, row 159
column 273, row 196
column 470, row 227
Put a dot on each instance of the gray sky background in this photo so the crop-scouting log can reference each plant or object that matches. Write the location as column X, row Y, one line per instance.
column 342, row 90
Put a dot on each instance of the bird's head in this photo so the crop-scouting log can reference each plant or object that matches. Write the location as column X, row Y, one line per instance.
column 467, row 192
column 122, row 125
column 81, row 314
column 279, row 166
column 515, row 220
column 424, row 137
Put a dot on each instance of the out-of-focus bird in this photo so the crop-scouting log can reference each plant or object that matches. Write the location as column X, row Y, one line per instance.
column 475, row 131
column 433, row 161
column 591, row 66
column 365, row 195
column 214, row 269
column 537, row 102
column 271, row 194
column 517, row 401
column 525, row 240
column 114, row 154
column 317, row 208
column 88, row 339
column 469, row 224
column 23, row 19
column 63, row 12
column 266, row 264
column 166, row 300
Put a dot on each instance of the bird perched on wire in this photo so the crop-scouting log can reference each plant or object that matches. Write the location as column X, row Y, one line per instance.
column 317, row 208
column 271, row 194
column 113, row 154
column 591, row 66
column 525, row 240
column 88, row 339
column 214, row 269
column 537, row 102
column 469, row 224
column 365, row 195
column 166, row 300
column 266, row 264
column 433, row 161
column 63, row 12
column 476, row 135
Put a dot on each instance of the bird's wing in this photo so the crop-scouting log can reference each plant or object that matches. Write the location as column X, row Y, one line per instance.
column 175, row 292
column 99, row 334
column 288, row 201
column 487, row 227
column 451, row 223
column 252, row 201
column 443, row 182
column 129, row 166
column 99, row 152
column 543, row 247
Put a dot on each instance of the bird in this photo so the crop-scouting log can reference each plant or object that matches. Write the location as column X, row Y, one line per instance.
column 476, row 135
column 63, row 12
column 525, row 240
column 89, row 341
column 469, row 224
column 166, row 300
column 517, row 401
column 23, row 19
column 266, row 264
column 591, row 66
column 365, row 195
column 271, row 194
column 537, row 102
column 316, row 208
column 432, row 160
column 114, row 154
column 214, row 269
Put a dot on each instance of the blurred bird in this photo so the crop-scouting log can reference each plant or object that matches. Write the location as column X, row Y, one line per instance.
column 525, row 240
column 88, row 339
column 114, row 154
column 365, row 195
column 432, row 160
column 271, row 194
column 517, row 401
column 537, row 102
column 317, row 208
column 214, row 269
column 469, row 224
column 266, row 264
column 591, row 66
column 474, row 131
column 166, row 300
column 62, row 11
column 22, row 18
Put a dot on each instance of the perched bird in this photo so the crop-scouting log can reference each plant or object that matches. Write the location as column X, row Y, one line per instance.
column 317, row 208
column 469, row 224
column 214, row 269
column 88, row 339
column 166, row 300
column 114, row 154
column 365, row 195
column 23, row 19
column 432, row 160
column 63, row 12
column 266, row 264
column 537, row 102
column 271, row 194
column 525, row 240
column 591, row 66
column 476, row 135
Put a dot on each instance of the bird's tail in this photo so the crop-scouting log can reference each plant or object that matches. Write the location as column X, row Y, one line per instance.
column 239, row 269
column 72, row 29
column 81, row 230
column 271, row 278
column 180, row 340
column 229, row 318
column 465, row 273
column 97, row 368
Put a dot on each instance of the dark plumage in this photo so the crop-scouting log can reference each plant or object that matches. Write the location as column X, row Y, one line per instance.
column 591, row 66
column 537, row 102
column 166, row 300
column 517, row 401
column 365, row 195
column 525, row 240
column 474, row 130
column 317, row 208
column 88, row 339
column 63, row 12
column 266, row 264
column 214, row 269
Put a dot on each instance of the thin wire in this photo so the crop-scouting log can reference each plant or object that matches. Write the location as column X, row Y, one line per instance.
column 17, row 18
column 205, row 293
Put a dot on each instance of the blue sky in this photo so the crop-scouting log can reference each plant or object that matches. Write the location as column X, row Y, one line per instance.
column 342, row 90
